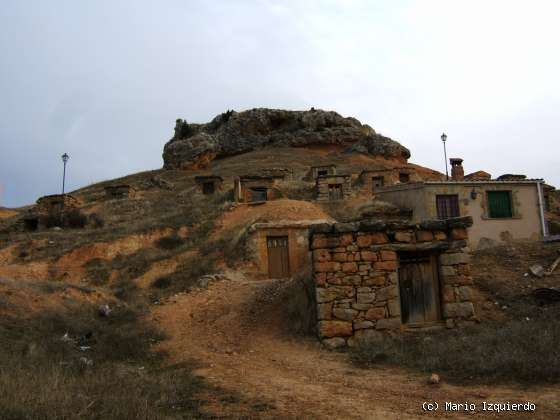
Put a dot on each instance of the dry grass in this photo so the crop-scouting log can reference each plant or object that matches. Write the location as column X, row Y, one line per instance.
column 51, row 391
column 517, row 350
column 45, row 377
column 298, row 189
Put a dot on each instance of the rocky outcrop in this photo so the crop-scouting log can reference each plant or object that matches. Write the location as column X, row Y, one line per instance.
column 232, row 133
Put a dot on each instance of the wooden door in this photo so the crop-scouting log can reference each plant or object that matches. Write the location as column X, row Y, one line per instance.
column 335, row 192
column 278, row 261
column 419, row 288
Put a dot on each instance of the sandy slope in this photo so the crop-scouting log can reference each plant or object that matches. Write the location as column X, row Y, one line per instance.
column 237, row 331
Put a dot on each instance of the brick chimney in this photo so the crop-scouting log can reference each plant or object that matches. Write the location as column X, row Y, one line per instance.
column 457, row 172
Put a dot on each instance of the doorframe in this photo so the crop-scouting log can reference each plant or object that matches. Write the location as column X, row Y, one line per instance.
column 277, row 236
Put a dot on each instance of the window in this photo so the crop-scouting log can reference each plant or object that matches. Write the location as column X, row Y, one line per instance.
column 447, row 206
column 208, row 188
column 323, row 172
column 335, row 192
column 404, row 178
column 499, row 204
column 376, row 182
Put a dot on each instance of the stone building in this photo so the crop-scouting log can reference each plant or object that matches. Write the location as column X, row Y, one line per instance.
column 321, row 170
column 255, row 188
column 280, row 174
column 49, row 205
column 501, row 209
column 209, row 184
column 370, row 180
column 333, row 187
column 281, row 248
column 119, row 191
column 372, row 277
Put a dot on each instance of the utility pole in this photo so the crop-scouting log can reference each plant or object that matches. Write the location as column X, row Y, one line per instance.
column 444, row 139
column 65, row 158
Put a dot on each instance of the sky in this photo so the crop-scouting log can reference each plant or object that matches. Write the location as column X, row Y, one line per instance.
column 104, row 81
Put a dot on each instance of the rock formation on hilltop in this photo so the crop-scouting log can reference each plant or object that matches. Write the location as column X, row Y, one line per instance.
column 232, row 133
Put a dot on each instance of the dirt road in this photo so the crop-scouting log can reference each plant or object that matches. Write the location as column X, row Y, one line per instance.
column 238, row 332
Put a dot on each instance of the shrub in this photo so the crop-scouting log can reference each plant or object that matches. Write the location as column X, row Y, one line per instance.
column 75, row 219
column 186, row 275
column 233, row 245
column 53, row 219
column 42, row 377
column 96, row 220
column 170, row 242
column 300, row 302
column 298, row 190
column 162, row 283
column 186, row 130
column 97, row 271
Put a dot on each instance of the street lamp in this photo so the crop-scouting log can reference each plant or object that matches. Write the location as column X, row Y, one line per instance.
column 444, row 139
column 65, row 158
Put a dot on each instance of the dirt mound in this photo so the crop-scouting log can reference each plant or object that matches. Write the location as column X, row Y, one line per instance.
column 25, row 298
column 273, row 211
column 6, row 213
column 502, row 274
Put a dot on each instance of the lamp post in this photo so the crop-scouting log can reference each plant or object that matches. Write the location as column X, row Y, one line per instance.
column 65, row 158
column 444, row 139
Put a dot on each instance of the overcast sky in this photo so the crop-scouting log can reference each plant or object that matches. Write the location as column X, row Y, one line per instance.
column 104, row 81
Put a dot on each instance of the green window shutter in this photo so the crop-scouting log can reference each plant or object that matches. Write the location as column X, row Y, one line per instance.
column 499, row 204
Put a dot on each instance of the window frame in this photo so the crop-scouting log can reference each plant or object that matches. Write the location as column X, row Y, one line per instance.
column 458, row 208
column 489, row 214
column 404, row 175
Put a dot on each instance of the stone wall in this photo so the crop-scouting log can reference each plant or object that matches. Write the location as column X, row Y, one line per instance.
column 356, row 266
column 323, row 182
column 119, row 191
column 243, row 186
column 56, row 202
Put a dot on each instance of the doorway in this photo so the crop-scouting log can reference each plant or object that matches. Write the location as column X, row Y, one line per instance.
column 208, row 188
column 419, row 288
column 376, row 182
column 258, row 194
column 278, row 260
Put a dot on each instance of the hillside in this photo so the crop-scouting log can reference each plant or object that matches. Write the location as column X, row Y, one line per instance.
column 190, row 331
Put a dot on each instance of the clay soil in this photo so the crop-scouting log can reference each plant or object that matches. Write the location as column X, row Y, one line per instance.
column 237, row 331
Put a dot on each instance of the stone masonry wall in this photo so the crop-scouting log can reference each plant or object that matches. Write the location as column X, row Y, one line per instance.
column 323, row 182
column 355, row 268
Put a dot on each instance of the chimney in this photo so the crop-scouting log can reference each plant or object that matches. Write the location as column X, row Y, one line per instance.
column 457, row 172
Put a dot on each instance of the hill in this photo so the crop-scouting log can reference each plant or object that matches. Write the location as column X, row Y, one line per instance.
column 190, row 332
column 232, row 133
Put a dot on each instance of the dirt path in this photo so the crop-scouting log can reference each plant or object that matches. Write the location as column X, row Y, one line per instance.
column 237, row 331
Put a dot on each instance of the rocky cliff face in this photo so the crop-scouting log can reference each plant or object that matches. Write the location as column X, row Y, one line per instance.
column 231, row 133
